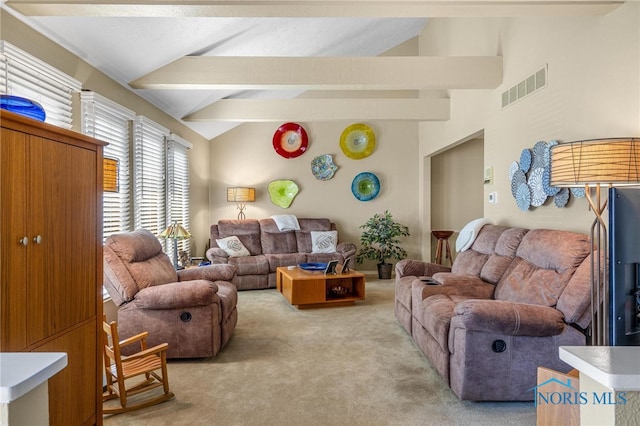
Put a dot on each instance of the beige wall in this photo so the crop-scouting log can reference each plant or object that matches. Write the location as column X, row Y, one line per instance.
column 245, row 157
column 593, row 91
column 32, row 42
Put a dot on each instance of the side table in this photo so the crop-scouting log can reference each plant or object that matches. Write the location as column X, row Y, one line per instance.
column 443, row 243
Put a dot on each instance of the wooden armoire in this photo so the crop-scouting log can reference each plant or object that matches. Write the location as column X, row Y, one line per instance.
column 51, row 258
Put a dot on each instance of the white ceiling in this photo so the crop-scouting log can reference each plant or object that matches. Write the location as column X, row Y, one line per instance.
column 129, row 47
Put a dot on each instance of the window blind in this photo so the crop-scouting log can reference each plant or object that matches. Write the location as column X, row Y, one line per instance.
column 110, row 122
column 150, row 206
column 178, row 184
column 26, row 76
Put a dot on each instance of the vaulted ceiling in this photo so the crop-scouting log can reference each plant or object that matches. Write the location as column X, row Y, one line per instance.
column 215, row 64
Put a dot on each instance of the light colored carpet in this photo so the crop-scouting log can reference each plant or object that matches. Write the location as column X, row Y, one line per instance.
column 351, row 365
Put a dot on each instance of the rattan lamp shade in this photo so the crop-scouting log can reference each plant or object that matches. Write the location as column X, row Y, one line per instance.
column 614, row 161
column 241, row 194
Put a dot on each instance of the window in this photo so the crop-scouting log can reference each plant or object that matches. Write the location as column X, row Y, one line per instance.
column 153, row 165
column 26, row 76
column 149, row 175
column 110, row 122
column 178, row 184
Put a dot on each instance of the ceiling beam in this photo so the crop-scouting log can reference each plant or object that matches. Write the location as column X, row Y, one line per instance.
column 313, row 8
column 326, row 73
column 266, row 110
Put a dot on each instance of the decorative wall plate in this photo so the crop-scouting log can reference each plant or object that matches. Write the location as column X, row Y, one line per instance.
column 546, row 183
column 538, row 155
column 322, row 167
column 282, row 192
column 518, row 179
column 513, row 168
column 357, row 141
column 523, row 197
column 538, row 195
column 365, row 186
column 290, row 140
column 525, row 160
column 561, row 198
column 578, row 192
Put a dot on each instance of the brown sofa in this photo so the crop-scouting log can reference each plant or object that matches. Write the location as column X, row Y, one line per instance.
column 269, row 248
column 193, row 310
column 502, row 309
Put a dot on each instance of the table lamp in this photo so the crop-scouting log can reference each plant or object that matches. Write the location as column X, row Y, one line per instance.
column 176, row 232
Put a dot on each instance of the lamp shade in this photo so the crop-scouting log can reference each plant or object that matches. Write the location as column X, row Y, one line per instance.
column 175, row 231
column 110, row 175
column 241, row 194
column 614, row 161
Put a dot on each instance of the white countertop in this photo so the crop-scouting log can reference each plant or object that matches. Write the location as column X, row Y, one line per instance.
column 616, row 367
column 21, row 372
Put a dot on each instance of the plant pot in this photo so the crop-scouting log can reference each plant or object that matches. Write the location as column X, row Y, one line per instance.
column 384, row 271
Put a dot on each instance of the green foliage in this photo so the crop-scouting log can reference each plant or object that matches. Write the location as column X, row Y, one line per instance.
column 380, row 239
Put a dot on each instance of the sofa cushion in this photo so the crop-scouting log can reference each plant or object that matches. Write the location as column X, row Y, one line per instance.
column 323, row 257
column 117, row 279
column 575, row 300
column 284, row 259
column 544, row 263
column 232, row 246
column 435, row 315
column 247, row 230
column 324, row 241
column 136, row 246
column 303, row 236
column 157, row 270
column 250, row 265
column 473, row 260
column 275, row 241
column 505, row 251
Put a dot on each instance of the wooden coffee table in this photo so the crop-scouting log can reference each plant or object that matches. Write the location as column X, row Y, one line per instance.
column 314, row 289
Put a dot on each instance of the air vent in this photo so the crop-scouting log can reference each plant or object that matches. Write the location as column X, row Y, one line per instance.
column 534, row 82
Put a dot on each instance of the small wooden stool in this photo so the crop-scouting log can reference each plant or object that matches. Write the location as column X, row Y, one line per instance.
column 443, row 240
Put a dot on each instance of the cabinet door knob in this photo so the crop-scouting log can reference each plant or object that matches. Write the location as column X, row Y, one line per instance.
column 37, row 239
column 23, row 241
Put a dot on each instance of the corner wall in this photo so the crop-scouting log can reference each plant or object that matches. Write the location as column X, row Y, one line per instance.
column 593, row 90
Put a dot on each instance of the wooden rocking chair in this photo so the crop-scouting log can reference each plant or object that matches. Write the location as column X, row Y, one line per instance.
column 120, row 369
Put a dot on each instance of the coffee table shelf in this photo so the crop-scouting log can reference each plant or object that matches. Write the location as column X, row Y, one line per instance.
column 312, row 289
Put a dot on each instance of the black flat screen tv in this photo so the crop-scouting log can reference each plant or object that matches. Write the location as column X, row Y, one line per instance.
column 624, row 266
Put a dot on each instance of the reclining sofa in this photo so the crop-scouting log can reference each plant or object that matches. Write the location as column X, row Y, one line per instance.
column 502, row 309
column 268, row 247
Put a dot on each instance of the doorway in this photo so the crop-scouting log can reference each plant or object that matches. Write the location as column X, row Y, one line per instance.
column 457, row 188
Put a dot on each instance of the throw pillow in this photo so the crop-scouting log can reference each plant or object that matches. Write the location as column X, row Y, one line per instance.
column 233, row 246
column 324, row 241
column 468, row 234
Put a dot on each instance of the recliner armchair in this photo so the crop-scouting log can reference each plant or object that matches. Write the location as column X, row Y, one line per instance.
column 193, row 310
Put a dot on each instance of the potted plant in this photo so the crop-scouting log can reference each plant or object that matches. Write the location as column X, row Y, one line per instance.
column 380, row 241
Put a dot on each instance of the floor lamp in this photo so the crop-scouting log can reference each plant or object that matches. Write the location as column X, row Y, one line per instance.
column 176, row 232
column 593, row 164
